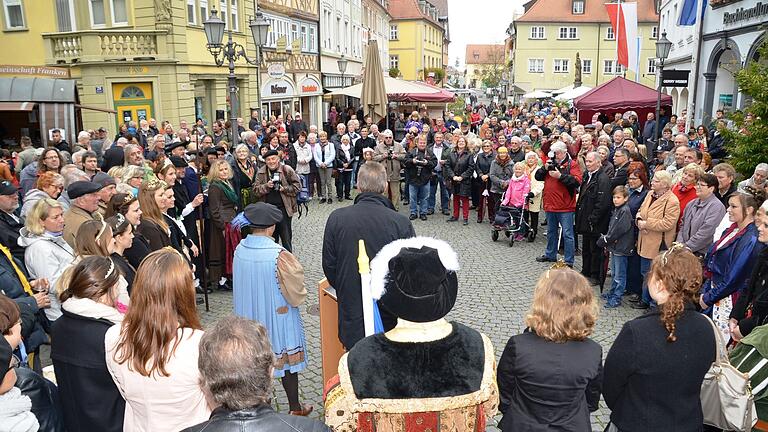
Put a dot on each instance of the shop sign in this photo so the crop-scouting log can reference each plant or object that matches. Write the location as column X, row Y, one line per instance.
column 99, row 90
column 277, row 89
column 132, row 70
column 276, row 71
column 674, row 78
column 309, row 86
column 42, row 71
column 744, row 14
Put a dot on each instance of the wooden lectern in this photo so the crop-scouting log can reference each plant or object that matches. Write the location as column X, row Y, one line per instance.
column 330, row 346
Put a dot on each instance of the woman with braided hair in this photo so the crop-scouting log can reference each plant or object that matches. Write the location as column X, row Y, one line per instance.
column 654, row 370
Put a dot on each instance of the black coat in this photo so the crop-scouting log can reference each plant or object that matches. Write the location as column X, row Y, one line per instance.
column 295, row 128
column 46, row 405
column 139, row 249
column 546, row 386
column 483, row 163
column 89, row 397
column 419, row 174
column 652, row 385
column 257, row 419
column 459, row 166
column 373, row 219
column 620, row 176
column 32, row 329
column 9, row 235
column 594, row 205
column 756, row 296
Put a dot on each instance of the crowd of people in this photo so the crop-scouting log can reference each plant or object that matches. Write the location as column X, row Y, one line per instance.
column 109, row 244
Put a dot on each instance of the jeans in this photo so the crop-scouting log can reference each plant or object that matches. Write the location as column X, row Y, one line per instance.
column 436, row 182
column 619, row 272
column 565, row 221
column 418, row 198
column 355, row 168
column 645, row 266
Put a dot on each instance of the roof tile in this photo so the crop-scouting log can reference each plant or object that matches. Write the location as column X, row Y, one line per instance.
column 557, row 11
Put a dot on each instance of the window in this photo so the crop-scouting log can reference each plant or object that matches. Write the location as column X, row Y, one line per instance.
column 393, row 32
column 578, row 7
column 535, row 65
column 223, row 13
column 203, row 10
column 294, row 33
column 394, row 62
column 611, row 67
column 191, row 17
column 97, row 13
column 65, row 15
column 560, row 66
column 312, row 43
column 609, row 33
column 567, row 33
column 652, row 66
column 304, row 37
column 119, row 12
column 654, row 32
column 132, row 92
column 537, row 32
column 14, row 14
column 586, row 66
column 233, row 11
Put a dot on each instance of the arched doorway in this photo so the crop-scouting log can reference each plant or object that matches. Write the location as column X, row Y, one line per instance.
column 682, row 101
column 675, row 96
column 720, row 85
column 133, row 102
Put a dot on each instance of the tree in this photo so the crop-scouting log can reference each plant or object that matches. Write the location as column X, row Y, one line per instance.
column 747, row 142
column 493, row 70
column 394, row 72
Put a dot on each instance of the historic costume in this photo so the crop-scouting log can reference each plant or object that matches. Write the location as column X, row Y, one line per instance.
column 269, row 287
column 426, row 373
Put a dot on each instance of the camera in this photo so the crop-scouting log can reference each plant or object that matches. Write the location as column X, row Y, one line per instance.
column 550, row 166
column 389, row 153
column 276, row 181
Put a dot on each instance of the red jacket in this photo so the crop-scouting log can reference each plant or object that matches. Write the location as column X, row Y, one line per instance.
column 559, row 195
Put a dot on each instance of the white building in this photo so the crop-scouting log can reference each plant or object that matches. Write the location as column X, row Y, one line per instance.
column 681, row 54
column 733, row 32
column 376, row 27
column 341, row 33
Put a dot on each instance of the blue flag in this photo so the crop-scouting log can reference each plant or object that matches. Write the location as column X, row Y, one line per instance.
column 688, row 12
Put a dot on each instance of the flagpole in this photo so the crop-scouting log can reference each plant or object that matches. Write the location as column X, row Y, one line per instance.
column 619, row 14
column 691, row 108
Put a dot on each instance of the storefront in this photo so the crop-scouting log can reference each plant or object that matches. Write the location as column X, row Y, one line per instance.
column 734, row 31
column 311, row 93
column 277, row 97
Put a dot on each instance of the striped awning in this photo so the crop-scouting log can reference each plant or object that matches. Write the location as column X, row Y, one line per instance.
column 17, row 106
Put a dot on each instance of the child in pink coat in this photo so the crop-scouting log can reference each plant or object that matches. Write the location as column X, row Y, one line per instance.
column 518, row 189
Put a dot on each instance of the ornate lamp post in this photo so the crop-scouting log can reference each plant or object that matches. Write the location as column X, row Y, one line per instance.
column 663, row 46
column 231, row 52
column 342, row 63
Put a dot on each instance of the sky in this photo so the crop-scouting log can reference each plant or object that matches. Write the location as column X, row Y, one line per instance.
column 477, row 22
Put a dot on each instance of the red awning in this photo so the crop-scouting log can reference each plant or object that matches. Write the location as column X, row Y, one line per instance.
column 17, row 106
column 620, row 94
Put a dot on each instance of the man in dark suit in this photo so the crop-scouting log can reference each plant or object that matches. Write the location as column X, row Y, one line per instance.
column 621, row 165
column 374, row 220
column 115, row 155
column 592, row 215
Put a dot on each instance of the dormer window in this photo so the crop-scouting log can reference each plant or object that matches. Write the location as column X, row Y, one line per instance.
column 578, row 7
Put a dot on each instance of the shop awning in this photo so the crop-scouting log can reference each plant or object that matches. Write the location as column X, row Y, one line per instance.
column 16, row 89
column 17, row 106
column 403, row 91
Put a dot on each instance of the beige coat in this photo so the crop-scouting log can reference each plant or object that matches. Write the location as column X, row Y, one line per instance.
column 661, row 218
column 392, row 166
column 73, row 218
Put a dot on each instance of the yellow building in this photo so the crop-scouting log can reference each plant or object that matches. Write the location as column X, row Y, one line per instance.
column 550, row 33
column 416, row 38
column 147, row 58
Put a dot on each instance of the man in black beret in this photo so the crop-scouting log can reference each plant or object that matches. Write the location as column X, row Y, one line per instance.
column 84, row 196
column 278, row 184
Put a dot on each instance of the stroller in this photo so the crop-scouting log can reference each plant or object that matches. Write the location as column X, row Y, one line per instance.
column 511, row 221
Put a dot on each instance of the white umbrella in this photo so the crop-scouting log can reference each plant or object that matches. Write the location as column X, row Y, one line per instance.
column 364, row 268
column 573, row 93
column 563, row 90
column 537, row 94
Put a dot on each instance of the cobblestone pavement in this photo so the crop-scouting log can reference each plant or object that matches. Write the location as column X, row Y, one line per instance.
column 495, row 290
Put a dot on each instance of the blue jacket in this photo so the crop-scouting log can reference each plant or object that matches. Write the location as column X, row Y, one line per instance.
column 731, row 265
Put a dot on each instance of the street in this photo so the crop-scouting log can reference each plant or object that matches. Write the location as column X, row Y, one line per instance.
column 495, row 289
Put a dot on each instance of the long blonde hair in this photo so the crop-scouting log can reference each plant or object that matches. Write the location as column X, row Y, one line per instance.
column 149, row 208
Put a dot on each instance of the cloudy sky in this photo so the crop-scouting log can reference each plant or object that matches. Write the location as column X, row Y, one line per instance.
column 478, row 22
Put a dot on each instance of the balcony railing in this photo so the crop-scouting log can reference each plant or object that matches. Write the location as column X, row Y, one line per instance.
column 105, row 45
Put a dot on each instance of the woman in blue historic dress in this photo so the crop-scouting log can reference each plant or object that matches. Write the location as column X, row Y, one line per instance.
column 268, row 284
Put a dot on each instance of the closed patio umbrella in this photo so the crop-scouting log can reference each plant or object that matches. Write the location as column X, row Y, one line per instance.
column 374, row 95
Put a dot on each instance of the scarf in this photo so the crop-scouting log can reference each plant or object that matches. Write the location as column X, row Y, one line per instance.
column 15, row 412
column 345, row 148
column 54, row 234
column 92, row 309
column 227, row 189
column 19, row 273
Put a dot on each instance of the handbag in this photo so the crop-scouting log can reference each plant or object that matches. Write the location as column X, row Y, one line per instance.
column 726, row 396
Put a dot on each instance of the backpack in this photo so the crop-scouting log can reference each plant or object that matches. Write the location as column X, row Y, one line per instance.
column 302, row 198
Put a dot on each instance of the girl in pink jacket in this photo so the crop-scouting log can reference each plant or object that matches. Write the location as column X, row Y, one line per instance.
column 519, row 187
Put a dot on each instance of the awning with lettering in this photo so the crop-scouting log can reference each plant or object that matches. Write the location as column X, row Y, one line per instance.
column 17, row 106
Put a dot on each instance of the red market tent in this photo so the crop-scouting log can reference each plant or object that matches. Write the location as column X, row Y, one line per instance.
column 619, row 95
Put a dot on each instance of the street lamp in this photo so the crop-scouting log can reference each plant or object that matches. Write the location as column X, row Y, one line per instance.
column 342, row 62
column 663, row 46
column 231, row 52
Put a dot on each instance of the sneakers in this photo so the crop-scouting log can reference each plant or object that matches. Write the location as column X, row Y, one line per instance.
column 466, row 222
column 431, row 211
column 330, row 200
column 322, row 200
column 423, row 217
column 612, row 303
column 452, row 219
column 544, row 259
column 412, row 217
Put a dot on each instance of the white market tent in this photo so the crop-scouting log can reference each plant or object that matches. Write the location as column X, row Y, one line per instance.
column 402, row 91
column 573, row 93
column 537, row 94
